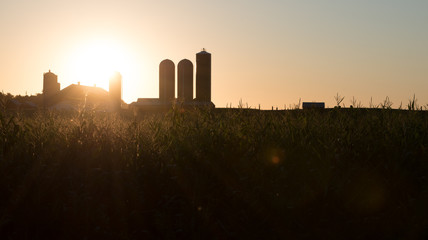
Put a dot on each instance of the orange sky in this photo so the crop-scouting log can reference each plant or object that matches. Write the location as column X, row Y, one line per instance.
column 268, row 52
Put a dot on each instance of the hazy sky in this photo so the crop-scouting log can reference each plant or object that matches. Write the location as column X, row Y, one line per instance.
column 263, row 52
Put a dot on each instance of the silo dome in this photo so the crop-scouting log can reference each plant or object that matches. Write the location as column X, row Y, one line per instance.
column 185, row 80
column 166, row 81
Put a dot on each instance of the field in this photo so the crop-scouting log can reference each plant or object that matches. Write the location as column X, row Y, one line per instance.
column 224, row 173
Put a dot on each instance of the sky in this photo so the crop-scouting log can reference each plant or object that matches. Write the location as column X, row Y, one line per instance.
column 271, row 52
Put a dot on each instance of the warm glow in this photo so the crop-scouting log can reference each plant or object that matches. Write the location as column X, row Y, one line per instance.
column 94, row 62
column 272, row 55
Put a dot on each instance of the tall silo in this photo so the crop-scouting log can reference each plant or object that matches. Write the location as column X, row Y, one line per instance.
column 185, row 80
column 115, row 90
column 203, row 76
column 50, row 84
column 166, row 81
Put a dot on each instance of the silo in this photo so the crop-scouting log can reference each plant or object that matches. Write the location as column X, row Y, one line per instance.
column 203, row 76
column 166, row 81
column 115, row 90
column 185, row 80
column 50, row 84
column 51, row 87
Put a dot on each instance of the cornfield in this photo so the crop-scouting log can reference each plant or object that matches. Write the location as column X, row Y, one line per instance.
column 214, row 173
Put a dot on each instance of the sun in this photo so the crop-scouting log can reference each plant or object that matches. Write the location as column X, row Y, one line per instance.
column 94, row 62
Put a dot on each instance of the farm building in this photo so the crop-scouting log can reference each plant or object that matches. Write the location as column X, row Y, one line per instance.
column 78, row 96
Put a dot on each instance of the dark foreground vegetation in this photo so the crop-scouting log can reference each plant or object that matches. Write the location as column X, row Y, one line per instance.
column 215, row 174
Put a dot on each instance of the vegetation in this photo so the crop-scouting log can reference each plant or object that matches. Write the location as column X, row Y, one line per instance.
column 224, row 173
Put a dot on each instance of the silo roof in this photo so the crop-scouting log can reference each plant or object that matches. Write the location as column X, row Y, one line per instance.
column 203, row 52
column 49, row 73
column 185, row 61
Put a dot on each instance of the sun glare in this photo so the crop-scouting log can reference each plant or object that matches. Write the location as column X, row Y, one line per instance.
column 93, row 63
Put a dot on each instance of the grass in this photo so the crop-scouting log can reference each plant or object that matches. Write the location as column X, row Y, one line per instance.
column 224, row 173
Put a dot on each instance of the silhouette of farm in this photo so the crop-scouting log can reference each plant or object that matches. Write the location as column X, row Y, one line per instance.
column 77, row 96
